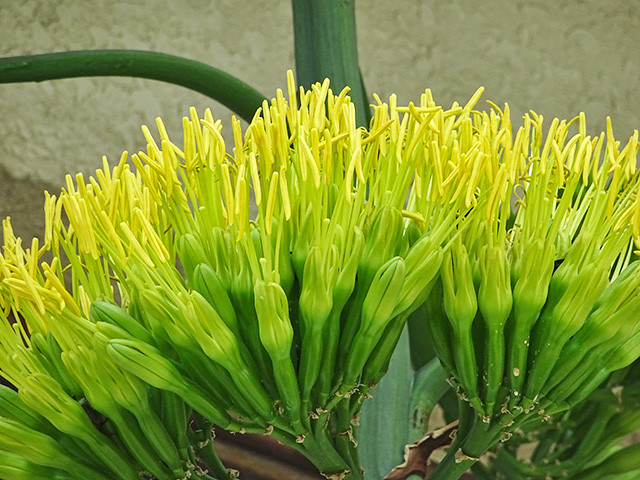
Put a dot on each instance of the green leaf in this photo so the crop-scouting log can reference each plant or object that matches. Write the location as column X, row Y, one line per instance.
column 385, row 420
column 430, row 384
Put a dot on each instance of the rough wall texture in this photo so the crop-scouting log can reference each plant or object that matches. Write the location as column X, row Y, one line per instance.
column 555, row 57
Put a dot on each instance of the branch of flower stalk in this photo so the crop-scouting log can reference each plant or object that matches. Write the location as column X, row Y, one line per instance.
column 326, row 47
column 197, row 76
column 202, row 442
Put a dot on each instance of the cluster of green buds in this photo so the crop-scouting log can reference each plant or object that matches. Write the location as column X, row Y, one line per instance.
column 264, row 291
column 534, row 310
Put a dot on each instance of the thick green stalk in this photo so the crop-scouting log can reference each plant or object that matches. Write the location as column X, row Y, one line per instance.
column 203, row 445
column 326, row 47
column 467, row 450
column 197, row 76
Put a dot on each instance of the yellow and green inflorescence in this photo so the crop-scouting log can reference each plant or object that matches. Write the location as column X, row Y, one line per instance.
column 266, row 289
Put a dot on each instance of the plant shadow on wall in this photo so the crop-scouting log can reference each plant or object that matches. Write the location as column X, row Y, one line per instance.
column 159, row 306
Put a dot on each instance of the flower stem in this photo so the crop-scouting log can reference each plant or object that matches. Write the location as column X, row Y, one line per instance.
column 203, row 446
column 197, row 76
column 326, row 47
column 466, row 450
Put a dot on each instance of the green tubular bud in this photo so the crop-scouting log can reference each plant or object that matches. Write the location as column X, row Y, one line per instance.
column 163, row 316
column 48, row 352
column 45, row 395
column 422, row 264
column 381, row 243
column 624, row 355
column 40, row 449
column 16, row 467
column 131, row 394
column 107, row 331
column 315, row 304
column 146, row 363
column 383, row 295
column 378, row 363
column 276, row 334
column 494, row 301
column 286, row 273
column 378, row 305
column 559, row 322
column 460, row 306
column 272, row 308
column 175, row 419
column 191, row 253
column 216, row 339
column 345, row 282
column 615, row 316
column 439, row 327
column 242, row 297
column 102, row 390
column 107, row 312
column 208, row 283
column 221, row 345
column 302, row 243
column 12, row 406
column 342, row 291
column 532, row 275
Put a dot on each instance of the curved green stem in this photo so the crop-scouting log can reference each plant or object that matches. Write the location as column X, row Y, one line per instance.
column 326, row 47
column 467, row 449
column 202, row 443
column 197, row 76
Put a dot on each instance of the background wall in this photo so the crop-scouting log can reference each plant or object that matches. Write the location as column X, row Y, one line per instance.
column 555, row 57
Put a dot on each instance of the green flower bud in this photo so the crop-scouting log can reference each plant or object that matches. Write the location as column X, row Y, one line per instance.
column 614, row 317
column 44, row 395
column 422, row 264
column 148, row 364
column 303, row 241
column 163, row 318
column 315, row 304
column 107, row 312
column 276, row 334
column 272, row 308
column 208, row 283
column 379, row 304
column 40, row 449
column 315, row 293
column 558, row 322
column 346, row 279
column 495, row 301
column 460, row 306
column 191, row 253
column 530, row 277
column 381, row 243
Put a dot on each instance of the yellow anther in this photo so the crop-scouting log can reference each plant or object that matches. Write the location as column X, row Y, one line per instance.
column 227, row 192
column 284, row 193
column 255, row 178
column 271, row 202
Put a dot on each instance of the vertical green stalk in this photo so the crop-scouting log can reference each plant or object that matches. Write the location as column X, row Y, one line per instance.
column 326, row 47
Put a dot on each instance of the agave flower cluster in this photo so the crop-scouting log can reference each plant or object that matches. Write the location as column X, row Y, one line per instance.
column 266, row 290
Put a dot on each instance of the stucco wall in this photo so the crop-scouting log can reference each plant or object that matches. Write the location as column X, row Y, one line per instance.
column 555, row 57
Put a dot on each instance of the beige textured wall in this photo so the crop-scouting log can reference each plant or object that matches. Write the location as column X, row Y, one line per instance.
column 558, row 57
